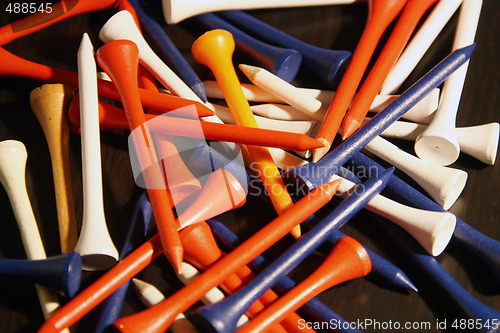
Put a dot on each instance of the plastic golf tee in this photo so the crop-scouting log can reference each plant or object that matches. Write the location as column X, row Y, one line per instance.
column 13, row 158
column 382, row 12
column 16, row 66
column 407, row 21
column 282, row 62
column 438, row 142
column 60, row 273
column 159, row 317
column 120, row 60
column 214, row 49
column 348, row 260
column 167, row 50
column 222, row 316
column 61, row 10
column 325, row 63
column 314, row 174
column 111, row 117
column 95, row 244
column 202, row 251
column 313, row 308
column 176, row 11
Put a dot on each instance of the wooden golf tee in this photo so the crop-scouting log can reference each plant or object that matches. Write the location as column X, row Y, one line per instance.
column 282, row 62
column 95, row 244
column 419, row 44
column 348, row 260
column 12, row 65
column 202, row 251
column 89, row 298
column 150, row 296
column 140, row 218
column 112, row 117
column 214, row 49
column 50, row 103
column 433, row 230
column 314, row 309
column 486, row 248
column 181, row 182
column 480, row 141
column 167, row 50
column 176, row 11
column 381, row 14
column 159, row 317
column 438, row 142
column 325, row 63
column 314, row 174
column 407, row 21
column 13, row 158
column 443, row 184
column 222, row 316
column 61, row 10
column 60, row 273
column 120, row 60
column 466, row 305
column 222, row 192
column 272, row 106
column 122, row 26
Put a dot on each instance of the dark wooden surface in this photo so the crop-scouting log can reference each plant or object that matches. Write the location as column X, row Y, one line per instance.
column 336, row 27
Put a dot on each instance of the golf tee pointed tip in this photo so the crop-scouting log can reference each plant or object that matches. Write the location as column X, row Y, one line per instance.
column 329, row 188
column 349, row 126
column 249, row 71
column 296, row 232
column 199, row 90
column 305, row 142
column 318, row 153
column 175, row 256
